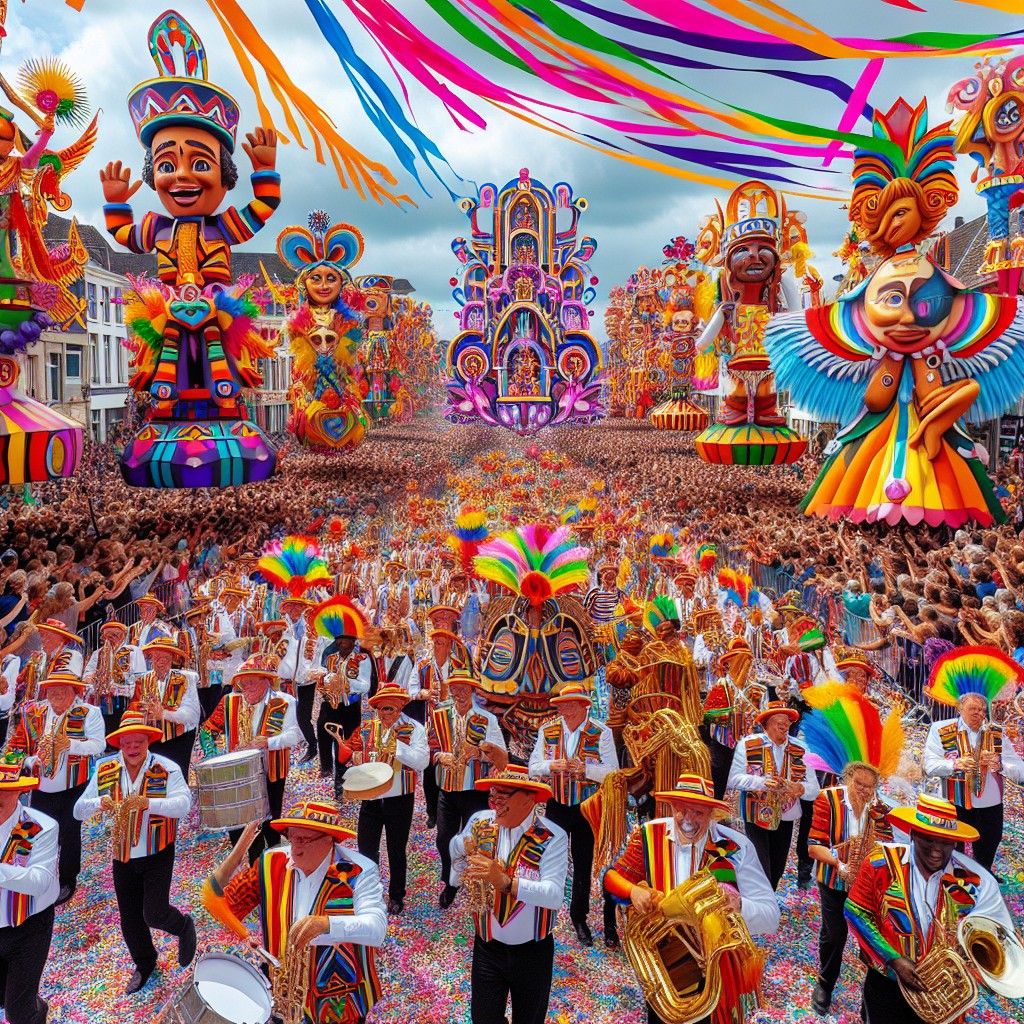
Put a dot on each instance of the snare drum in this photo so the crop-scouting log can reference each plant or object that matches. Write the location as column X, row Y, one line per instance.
column 223, row 989
column 232, row 790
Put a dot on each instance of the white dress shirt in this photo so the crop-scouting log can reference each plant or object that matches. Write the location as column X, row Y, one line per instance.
column 543, row 887
column 415, row 754
column 290, row 734
column 9, row 669
column 93, row 744
column 176, row 804
column 937, row 763
column 741, row 778
column 38, row 877
column 295, row 666
column 595, row 771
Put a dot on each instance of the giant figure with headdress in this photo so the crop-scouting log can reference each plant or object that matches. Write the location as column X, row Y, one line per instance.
column 324, row 335
column 196, row 346
column 905, row 355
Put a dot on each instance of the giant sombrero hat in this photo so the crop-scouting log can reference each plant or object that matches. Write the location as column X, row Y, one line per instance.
column 693, row 789
column 934, row 817
column 57, row 628
column 776, row 707
column 10, row 779
column 166, row 644
column 315, row 815
column 518, row 777
column 133, row 723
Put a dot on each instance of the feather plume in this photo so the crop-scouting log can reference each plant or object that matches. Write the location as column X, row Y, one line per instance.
column 963, row 670
column 738, row 587
column 293, row 564
column 706, row 556
column 849, row 728
column 338, row 617
column 534, row 562
column 659, row 610
column 469, row 533
column 663, row 545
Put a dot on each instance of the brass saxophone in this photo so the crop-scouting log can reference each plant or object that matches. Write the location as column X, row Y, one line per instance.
column 853, row 851
column 103, row 681
column 484, row 841
column 289, row 983
column 149, row 695
column 773, row 799
column 978, row 771
column 45, row 748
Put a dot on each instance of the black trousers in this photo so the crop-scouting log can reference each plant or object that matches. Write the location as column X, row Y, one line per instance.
column 61, row 807
column 304, row 713
column 453, row 811
column 772, row 848
column 721, row 763
column 112, row 709
column 884, row 1002
column 989, row 823
column 23, row 954
column 209, row 698
column 143, row 890
column 805, row 865
column 348, row 717
column 432, row 791
column 267, row 836
column 178, row 749
column 581, row 846
column 832, row 937
column 391, row 816
column 521, row 972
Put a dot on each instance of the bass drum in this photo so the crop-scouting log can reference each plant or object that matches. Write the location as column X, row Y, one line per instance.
column 223, row 989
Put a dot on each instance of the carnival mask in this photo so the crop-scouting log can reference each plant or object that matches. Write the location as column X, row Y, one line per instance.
column 752, row 262
column 324, row 340
column 323, row 285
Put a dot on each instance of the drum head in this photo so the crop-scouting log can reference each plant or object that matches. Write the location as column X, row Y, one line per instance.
column 367, row 781
column 232, row 988
column 234, row 756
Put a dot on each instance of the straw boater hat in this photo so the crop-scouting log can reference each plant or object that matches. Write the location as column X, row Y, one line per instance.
column 317, row 816
column 115, row 624
column 570, row 692
column 133, row 723
column 855, row 659
column 151, row 599
column 518, row 777
column 738, row 647
column 693, row 789
column 464, row 675
column 388, row 693
column 10, row 779
column 776, row 707
column 263, row 666
column 293, row 599
column 63, row 679
column 166, row 644
column 446, row 613
column 395, row 563
column 199, row 609
column 57, row 628
column 934, row 817
column 270, row 625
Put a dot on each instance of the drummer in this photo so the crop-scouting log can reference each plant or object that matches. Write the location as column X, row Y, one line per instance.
column 255, row 718
column 144, row 797
column 312, row 892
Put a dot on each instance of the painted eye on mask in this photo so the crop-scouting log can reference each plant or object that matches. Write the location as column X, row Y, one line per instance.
column 165, row 167
column 932, row 301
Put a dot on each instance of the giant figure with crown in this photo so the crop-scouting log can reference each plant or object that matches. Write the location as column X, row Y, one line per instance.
column 196, row 347
column 907, row 354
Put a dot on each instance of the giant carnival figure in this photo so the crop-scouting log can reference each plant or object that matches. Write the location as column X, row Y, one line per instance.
column 906, row 354
column 196, row 349
column 524, row 358
column 538, row 636
column 37, row 443
column 324, row 335
column 750, row 242
column 991, row 132
column 380, row 360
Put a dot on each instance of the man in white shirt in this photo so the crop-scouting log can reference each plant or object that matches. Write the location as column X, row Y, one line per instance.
column 108, row 674
column 974, row 761
column 28, row 889
column 514, row 862
column 148, row 627
column 392, row 738
column 574, row 753
column 331, row 899
column 769, row 772
column 145, row 796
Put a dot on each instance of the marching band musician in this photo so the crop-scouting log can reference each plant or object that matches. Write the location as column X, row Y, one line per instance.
column 108, row 674
column 224, row 653
column 842, row 815
column 28, row 888
column 57, row 737
column 147, row 796
column 903, row 898
column 148, row 627
column 197, row 646
column 347, row 582
column 769, row 771
column 622, row 674
column 516, row 862
column 575, row 753
column 313, row 895
column 467, row 745
column 254, row 717
column 168, row 697
column 300, row 664
column 392, row 599
column 666, row 663
column 971, row 756
column 61, row 652
column 339, row 693
column 663, row 853
column 390, row 736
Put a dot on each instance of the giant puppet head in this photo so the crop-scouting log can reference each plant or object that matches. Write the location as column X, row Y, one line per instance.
column 537, row 638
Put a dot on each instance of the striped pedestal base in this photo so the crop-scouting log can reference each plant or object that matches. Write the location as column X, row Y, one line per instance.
column 747, row 444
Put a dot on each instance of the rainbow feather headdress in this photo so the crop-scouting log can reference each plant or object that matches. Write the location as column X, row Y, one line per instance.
column 469, row 533
column 338, row 617
column 662, row 545
column 706, row 557
column 534, row 562
column 738, row 587
column 293, row 564
column 659, row 610
column 849, row 728
column 982, row 670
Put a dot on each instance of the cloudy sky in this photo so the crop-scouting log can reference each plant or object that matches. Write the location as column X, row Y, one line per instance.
column 633, row 212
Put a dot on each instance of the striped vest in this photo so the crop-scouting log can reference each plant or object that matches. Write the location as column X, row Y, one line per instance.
column 371, row 734
column 566, row 788
column 20, row 906
column 832, row 825
column 720, row 856
column 161, row 831
column 754, row 806
column 271, row 723
column 31, row 729
column 445, row 726
column 956, row 742
column 174, row 694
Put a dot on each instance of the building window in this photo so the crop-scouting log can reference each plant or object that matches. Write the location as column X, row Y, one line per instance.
column 54, row 377
column 106, row 305
column 73, row 362
column 111, row 359
column 96, row 425
column 118, row 306
column 94, row 358
column 91, row 302
column 122, row 358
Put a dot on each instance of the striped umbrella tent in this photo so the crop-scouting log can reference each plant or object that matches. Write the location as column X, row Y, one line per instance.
column 679, row 413
column 748, row 444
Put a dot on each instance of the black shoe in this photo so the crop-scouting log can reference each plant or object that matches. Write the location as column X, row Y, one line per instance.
column 187, row 943
column 395, row 906
column 583, row 935
column 431, row 822
column 821, row 1000
column 804, row 884
column 65, row 894
column 611, row 938
column 325, row 773
column 138, row 981
column 447, row 897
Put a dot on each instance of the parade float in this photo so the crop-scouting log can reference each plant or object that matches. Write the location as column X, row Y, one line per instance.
column 905, row 356
column 381, row 363
column 323, row 333
column 195, row 349
column 524, row 358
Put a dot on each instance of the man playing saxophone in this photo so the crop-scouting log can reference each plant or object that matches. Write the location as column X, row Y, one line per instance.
column 519, row 860
column 318, row 901
column 663, row 853
column 108, row 674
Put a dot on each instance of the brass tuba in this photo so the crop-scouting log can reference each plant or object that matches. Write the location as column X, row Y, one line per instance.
column 676, row 948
